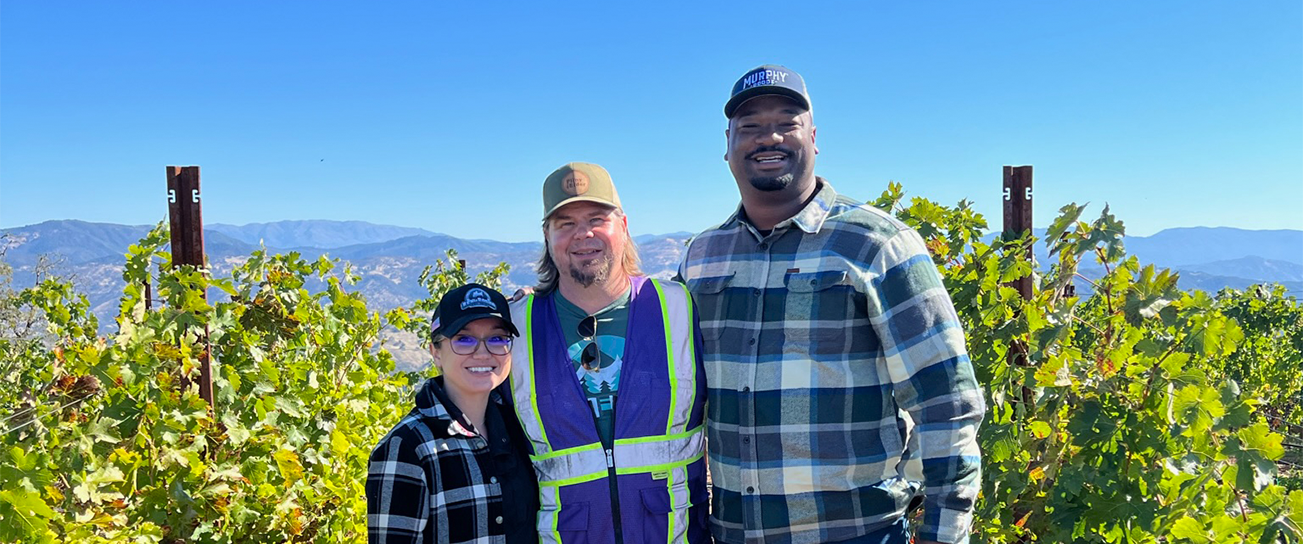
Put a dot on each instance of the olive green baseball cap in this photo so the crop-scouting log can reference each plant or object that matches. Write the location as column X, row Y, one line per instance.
column 578, row 182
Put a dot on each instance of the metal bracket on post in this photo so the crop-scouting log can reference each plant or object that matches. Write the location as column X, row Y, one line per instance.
column 187, row 223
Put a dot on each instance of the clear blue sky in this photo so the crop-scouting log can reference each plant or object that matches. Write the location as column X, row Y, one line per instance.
column 448, row 115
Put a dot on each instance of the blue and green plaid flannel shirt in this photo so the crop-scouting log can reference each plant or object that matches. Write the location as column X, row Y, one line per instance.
column 838, row 378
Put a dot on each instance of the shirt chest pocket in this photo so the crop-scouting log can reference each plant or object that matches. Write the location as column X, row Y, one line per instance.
column 711, row 296
column 820, row 310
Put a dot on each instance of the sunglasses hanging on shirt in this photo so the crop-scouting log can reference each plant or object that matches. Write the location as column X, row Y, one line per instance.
column 588, row 331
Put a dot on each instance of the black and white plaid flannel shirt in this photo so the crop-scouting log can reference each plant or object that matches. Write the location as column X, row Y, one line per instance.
column 433, row 480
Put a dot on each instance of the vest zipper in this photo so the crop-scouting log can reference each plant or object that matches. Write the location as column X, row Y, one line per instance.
column 618, row 523
column 613, row 488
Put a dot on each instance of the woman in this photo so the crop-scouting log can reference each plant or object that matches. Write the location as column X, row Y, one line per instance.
column 455, row 468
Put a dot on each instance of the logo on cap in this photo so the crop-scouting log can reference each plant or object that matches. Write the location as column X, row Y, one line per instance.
column 760, row 78
column 575, row 183
column 477, row 298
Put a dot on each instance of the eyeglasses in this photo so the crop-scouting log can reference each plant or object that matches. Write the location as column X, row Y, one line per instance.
column 465, row 345
column 588, row 331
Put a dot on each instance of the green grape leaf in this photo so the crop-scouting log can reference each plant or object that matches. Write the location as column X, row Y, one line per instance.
column 1191, row 530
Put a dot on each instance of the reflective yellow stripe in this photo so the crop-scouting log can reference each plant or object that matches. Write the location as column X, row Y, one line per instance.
column 670, row 532
column 575, row 480
column 680, row 352
column 660, row 467
column 666, row 438
column 550, row 500
column 692, row 355
column 586, row 462
column 533, row 376
column 669, row 357
column 659, row 450
column 571, row 464
column 567, row 451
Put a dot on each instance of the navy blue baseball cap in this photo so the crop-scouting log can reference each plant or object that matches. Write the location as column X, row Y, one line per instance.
column 767, row 79
column 468, row 303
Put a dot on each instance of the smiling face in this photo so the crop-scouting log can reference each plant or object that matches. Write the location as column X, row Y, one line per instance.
column 771, row 146
column 475, row 375
column 586, row 240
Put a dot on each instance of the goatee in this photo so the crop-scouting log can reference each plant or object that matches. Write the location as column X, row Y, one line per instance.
column 770, row 184
column 599, row 272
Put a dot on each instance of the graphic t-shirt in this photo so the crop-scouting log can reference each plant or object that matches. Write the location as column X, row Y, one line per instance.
column 602, row 379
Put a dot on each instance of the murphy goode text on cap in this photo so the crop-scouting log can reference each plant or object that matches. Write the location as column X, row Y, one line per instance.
column 468, row 303
column 578, row 182
column 767, row 79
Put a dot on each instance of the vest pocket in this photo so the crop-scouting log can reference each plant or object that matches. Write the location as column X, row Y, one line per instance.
column 656, row 501
column 571, row 518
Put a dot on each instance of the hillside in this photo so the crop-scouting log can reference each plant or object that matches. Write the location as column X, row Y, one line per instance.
column 390, row 259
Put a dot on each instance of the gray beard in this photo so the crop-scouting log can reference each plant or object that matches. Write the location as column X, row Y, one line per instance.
column 773, row 184
column 600, row 275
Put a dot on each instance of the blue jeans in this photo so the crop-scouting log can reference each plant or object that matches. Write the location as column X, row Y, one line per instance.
column 896, row 533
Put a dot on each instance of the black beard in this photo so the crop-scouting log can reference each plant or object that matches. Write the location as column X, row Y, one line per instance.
column 587, row 279
column 773, row 184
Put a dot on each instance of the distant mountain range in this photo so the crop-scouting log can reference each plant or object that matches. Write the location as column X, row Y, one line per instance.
column 1210, row 258
column 316, row 234
column 390, row 258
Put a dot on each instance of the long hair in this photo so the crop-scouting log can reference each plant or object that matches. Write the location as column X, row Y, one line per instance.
column 549, row 275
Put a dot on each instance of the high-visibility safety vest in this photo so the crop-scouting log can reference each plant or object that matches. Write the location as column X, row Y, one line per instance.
column 657, row 463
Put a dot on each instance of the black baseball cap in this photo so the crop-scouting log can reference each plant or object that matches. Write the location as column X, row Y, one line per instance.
column 767, row 79
column 468, row 303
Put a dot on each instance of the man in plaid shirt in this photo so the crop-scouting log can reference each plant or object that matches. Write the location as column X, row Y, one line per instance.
column 838, row 377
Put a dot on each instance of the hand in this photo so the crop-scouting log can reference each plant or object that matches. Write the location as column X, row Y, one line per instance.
column 521, row 293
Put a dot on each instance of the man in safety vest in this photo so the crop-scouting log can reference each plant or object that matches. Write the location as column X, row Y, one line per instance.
column 608, row 383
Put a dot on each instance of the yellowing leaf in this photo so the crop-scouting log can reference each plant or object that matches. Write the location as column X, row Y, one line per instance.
column 339, row 442
column 54, row 493
column 1040, row 429
column 1259, row 437
column 288, row 463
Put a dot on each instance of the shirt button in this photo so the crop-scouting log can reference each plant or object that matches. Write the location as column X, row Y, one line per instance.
column 755, row 292
column 763, row 246
column 498, row 520
column 746, row 389
column 746, row 440
column 751, row 342
column 493, row 479
column 751, row 489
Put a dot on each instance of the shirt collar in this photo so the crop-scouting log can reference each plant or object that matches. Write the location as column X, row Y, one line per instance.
column 810, row 219
column 432, row 402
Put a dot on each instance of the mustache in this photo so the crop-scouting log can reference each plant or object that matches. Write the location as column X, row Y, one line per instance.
column 769, row 149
